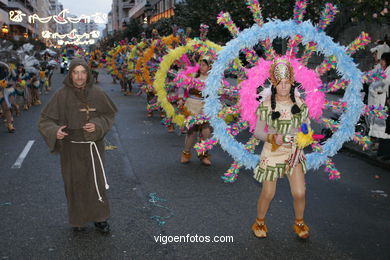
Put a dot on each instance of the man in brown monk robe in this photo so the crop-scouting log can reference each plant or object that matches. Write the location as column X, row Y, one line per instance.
column 74, row 124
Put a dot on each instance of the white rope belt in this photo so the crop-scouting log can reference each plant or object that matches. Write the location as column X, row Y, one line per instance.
column 91, row 146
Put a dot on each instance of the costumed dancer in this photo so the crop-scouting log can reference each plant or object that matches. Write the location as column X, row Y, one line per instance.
column 279, row 119
column 94, row 64
column 8, row 96
column 125, row 80
column 194, row 106
column 151, row 98
column 43, row 80
column 22, row 80
column 34, row 86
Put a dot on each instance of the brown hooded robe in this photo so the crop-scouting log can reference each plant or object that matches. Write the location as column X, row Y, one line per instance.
column 76, row 162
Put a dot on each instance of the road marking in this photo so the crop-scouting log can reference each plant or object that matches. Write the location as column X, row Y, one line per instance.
column 23, row 155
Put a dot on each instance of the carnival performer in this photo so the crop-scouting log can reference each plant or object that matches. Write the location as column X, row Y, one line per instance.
column 22, row 80
column 279, row 119
column 43, row 80
column 8, row 100
column 34, row 86
column 194, row 106
column 94, row 66
column 125, row 80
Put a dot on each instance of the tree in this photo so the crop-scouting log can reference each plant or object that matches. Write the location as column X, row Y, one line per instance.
column 192, row 13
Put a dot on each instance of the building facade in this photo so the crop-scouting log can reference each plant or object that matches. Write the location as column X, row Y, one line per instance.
column 4, row 21
column 143, row 11
column 43, row 10
column 22, row 29
column 119, row 13
column 151, row 11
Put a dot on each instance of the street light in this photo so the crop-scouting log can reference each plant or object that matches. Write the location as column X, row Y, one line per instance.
column 25, row 35
column 4, row 29
column 148, row 11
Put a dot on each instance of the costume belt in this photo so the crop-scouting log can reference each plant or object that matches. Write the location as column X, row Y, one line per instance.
column 91, row 146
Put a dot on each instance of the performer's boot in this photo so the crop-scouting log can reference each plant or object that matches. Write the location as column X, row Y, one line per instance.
column 205, row 159
column 259, row 228
column 150, row 114
column 185, row 157
column 11, row 128
column 301, row 229
column 25, row 107
column 171, row 129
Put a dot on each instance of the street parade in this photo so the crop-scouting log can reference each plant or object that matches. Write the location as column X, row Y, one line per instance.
column 259, row 130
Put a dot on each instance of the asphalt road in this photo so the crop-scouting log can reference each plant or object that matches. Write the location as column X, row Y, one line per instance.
column 349, row 218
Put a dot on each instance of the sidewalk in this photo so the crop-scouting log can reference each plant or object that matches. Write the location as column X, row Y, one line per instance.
column 368, row 156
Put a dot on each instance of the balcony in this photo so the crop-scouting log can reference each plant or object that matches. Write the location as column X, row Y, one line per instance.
column 3, row 3
column 15, row 4
column 128, row 4
column 137, row 9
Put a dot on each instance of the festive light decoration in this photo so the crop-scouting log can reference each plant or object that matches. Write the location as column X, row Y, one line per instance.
column 16, row 16
column 62, row 18
column 72, row 35
column 76, row 42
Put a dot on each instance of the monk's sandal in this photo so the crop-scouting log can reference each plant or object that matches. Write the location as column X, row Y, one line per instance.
column 103, row 227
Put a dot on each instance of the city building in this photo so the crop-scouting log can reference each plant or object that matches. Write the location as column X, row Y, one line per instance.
column 43, row 10
column 151, row 11
column 20, row 29
column 56, row 7
column 4, row 21
column 109, row 27
column 119, row 11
